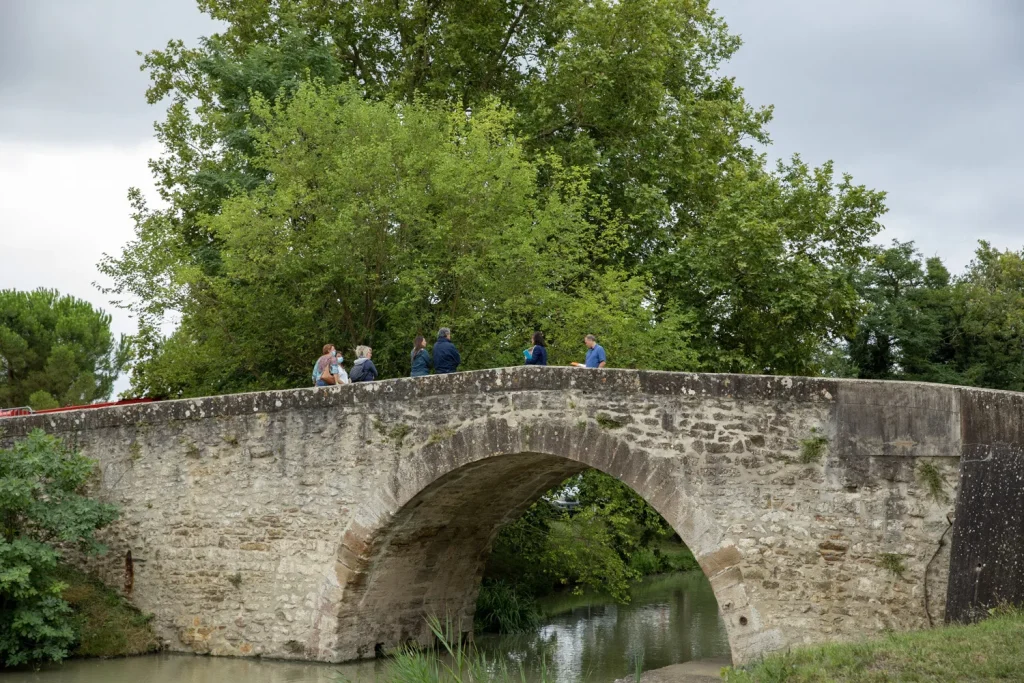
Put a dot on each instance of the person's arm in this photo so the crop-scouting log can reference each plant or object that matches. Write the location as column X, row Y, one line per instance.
column 603, row 359
column 458, row 358
column 532, row 359
column 372, row 370
column 430, row 362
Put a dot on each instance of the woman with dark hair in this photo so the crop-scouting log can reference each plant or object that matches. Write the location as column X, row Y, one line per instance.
column 420, row 358
column 538, row 353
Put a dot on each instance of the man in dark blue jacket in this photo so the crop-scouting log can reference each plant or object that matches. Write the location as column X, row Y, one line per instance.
column 446, row 356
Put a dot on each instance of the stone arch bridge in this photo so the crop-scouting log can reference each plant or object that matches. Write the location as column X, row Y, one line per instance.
column 326, row 523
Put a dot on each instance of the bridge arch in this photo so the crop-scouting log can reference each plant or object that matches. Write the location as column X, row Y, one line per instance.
column 420, row 546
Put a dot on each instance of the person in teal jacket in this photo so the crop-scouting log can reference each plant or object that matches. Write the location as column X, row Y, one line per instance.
column 421, row 364
column 538, row 353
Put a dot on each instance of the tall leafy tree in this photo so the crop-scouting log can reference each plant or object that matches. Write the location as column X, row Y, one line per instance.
column 382, row 220
column 55, row 350
column 688, row 223
column 906, row 330
column 988, row 305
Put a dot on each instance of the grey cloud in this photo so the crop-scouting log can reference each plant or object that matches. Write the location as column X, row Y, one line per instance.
column 916, row 98
column 919, row 98
column 69, row 72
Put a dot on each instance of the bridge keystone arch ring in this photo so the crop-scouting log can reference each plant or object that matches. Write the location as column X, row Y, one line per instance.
column 323, row 523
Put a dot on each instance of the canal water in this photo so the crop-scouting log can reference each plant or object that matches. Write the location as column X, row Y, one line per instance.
column 670, row 619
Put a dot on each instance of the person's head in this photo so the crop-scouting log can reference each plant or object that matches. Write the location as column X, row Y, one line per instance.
column 328, row 348
column 444, row 333
column 590, row 340
column 538, row 338
column 364, row 352
column 419, row 343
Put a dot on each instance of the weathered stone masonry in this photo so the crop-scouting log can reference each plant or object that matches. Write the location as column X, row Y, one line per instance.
column 325, row 523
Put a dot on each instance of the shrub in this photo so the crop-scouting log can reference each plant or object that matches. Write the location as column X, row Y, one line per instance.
column 645, row 561
column 41, row 506
column 106, row 624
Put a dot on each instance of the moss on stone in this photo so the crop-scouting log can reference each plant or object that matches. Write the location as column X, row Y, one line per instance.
column 439, row 435
column 893, row 563
column 607, row 421
column 813, row 447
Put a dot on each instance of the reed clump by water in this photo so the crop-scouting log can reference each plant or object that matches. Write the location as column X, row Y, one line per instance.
column 452, row 661
column 503, row 607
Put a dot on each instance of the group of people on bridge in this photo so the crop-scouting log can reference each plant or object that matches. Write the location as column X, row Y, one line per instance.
column 329, row 369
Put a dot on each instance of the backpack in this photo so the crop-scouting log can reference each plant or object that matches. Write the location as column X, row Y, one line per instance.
column 357, row 373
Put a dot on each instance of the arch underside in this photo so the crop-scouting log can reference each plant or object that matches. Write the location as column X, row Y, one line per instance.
column 430, row 558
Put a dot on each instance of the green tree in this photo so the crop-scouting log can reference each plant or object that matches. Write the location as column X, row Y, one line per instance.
column 592, row 548
column 722, row 263
column 906, row 330
column 42, row 509
column 546, row 549
column 988, row 309
column 55, row 350
column 382, row 220
column 922, row 324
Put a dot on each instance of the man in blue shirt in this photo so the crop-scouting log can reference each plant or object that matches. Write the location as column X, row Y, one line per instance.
column 596, row 357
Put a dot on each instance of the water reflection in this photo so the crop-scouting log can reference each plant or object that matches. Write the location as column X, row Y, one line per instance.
column 670, row 619
column 172, row 668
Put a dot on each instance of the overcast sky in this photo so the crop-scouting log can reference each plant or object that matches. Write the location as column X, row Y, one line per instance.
column 918, row 98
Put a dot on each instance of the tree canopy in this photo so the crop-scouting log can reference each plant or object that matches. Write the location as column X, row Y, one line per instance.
column 923, row 324
column 632, row 202
column 55, row 350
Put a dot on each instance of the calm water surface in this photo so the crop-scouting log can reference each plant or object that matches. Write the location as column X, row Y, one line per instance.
column 671, row 619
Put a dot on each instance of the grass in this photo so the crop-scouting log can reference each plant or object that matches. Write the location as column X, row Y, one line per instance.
column 107, row 624
column 812, row 448
column 677, row 556
column 607, row 421
column 638, row 666
column 501, row 608
column 931, row 478
column 988, row 651
column 893, row 562
column 439, row 435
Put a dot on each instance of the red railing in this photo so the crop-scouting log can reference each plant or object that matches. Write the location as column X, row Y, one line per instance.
column 15, row 412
